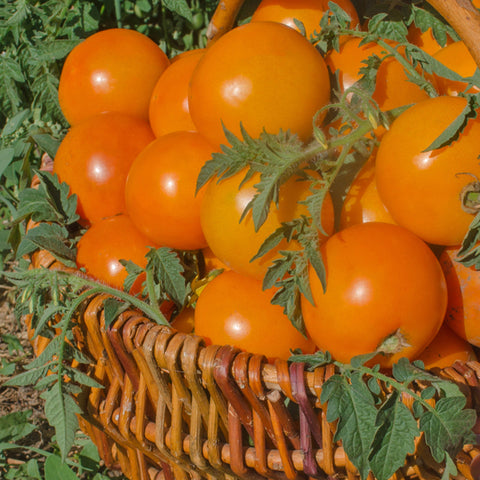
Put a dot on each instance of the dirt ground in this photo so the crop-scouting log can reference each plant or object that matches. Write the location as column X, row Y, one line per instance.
column 18, row 399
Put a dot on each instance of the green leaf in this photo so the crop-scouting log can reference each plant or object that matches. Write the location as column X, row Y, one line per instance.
column 13, row 343
column 49, row 237
column 6, row 368
column 61, row 411
column 15, row 426
column 168, row 271
column 81, row 378
column 353, row 405
column 112, row 309
column 6, row 158
column 47, row 142
column 448, row 427
column 56, row 469
column 30, row 377
column 15, row 122
column 180, row 7
column 394, row 439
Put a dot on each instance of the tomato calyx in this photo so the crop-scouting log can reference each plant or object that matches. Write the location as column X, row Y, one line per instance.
column 393, row 343
column 470, row 196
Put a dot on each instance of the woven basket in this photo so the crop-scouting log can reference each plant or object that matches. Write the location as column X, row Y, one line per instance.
column 174, row 408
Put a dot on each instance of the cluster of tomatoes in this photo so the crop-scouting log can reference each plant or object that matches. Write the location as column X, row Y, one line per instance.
column 143, row 125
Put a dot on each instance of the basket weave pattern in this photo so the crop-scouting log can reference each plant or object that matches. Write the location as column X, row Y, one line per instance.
column 174, row 408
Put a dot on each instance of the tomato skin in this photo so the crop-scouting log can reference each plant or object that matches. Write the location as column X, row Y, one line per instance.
column 160, row 190
column 375, row 273
column 422, row 190
column 463, row 283
column 233, row 309
column 106, row 243
column 236, row 242
column 94, row 159
column 169, row 109
column 456, row 57
column 393, row 88
column 309, row 12
column 425, row 40
column 362, row 203
column 112, row 70
column 446, row 348
column 262, row 75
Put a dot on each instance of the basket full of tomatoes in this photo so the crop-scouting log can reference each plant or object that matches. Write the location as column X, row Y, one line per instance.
column 259, row 258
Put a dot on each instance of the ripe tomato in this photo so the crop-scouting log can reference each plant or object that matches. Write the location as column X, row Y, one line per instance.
column 160, row 190
column 362, row 203
column 421, row 190
column 185, row 320
column 263, row 75
column 463, row 283
column 236, row 242
column 169, row 110
column 393, row 88
column 382, row 281
column 211, row 261
column 445, row 349
column 106, row 243
column 95, row 157
column 309, row 12
column 234, row 310
column 456, row 57
column 112, row 70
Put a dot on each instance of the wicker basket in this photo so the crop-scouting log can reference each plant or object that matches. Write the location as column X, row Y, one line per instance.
column 174, row 408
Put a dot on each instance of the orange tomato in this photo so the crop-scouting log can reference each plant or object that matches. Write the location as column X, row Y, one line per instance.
column 94, row 159
column 425, row 40
column 160, row 190
column 106, row 243
column 456, row 57
column 112, row 70
column 236, row 242
column 169, row 110
column 211, row 261
column 185, row 320
column 234, row 310
column 362, row 203
column 262, row 75
column 309, row 12
column 421, row 189
column 382, row 282
column 393, row 88
column 445, row 349
column 463, row 283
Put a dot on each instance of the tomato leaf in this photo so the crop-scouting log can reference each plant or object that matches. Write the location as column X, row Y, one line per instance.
column 112, row 309
column 394, row 438
column 180, row 7
column 352, row 404
column 447, row 428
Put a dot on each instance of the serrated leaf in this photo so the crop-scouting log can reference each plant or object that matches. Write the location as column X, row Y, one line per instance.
column 168, row 271
column 447, row 427
column 61, row 411
column 47, row 142
column 112, row 309
column 7, row 156
column 56, row 469
column 30, row 377
column 394, row 439
column 180, row 7
column 353, row 405
column 15, row 122
column 82, row 378
column 14, row 426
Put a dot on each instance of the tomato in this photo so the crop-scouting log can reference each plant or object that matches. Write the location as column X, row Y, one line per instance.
column 95, row 157
column 393, row 88
column 262, row 75
column 456, row 57
column 211, row 261
column 169, row 109
column 425, row 40
column 445, row 349
column 236, row 242
column 382, row 282
column 160, row 190
column 362, row 202
column 309, row 12
column 463, row 283
column 421, row 190
column 234, row 310
column 185, row 320
column 112, row 70
column 106, row 243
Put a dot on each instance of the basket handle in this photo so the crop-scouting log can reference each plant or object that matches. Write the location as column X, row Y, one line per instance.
column 464, row 18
